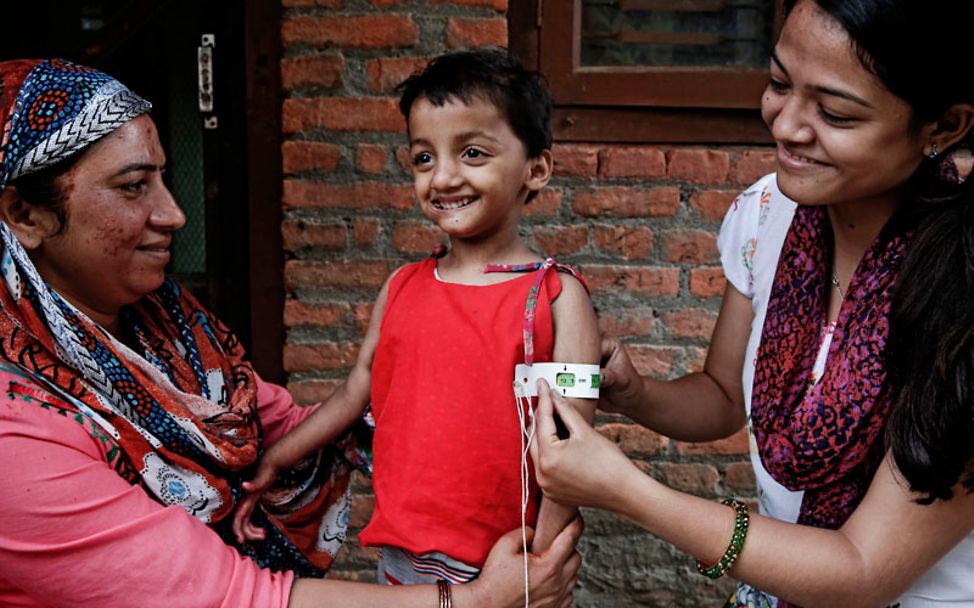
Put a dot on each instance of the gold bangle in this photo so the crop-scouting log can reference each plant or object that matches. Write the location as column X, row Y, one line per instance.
column 742, row 518
column 444, row 593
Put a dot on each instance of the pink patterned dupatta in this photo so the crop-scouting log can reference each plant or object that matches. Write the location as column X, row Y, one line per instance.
column 822, row 438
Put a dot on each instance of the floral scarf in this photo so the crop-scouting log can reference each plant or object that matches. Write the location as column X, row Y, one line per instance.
column 822, row 438
column 178, row 404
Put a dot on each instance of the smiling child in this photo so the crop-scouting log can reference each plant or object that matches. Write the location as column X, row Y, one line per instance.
column 438, row 358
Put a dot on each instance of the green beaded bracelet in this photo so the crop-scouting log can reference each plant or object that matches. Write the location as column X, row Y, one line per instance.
column 742, row 517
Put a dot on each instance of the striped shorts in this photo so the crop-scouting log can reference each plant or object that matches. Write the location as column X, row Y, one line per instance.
column 400, row 567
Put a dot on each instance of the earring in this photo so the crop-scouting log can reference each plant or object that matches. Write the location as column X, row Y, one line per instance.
column 933, row 152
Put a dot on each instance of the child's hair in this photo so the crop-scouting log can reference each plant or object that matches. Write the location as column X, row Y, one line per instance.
column 494, row 76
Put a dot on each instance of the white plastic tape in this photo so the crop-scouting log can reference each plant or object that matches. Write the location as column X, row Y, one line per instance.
column 568, row 379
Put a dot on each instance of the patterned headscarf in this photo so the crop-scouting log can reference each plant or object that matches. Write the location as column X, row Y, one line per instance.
column 53, row 108
column 176, row 404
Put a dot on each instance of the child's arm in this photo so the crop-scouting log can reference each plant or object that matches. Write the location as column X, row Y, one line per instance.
column 576, row 340
column 335, row 415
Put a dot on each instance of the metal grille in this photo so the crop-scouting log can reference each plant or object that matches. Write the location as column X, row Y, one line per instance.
column 186, row 160
column 651, row 33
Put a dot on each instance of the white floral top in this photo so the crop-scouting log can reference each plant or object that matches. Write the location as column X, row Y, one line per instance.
column 750, row 242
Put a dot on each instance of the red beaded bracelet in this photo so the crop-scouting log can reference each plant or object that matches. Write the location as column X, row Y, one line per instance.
column 444, row 592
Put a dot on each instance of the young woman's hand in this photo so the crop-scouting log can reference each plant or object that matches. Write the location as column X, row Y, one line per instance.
column 621, row 385
column 551, row 575
column 586, row 469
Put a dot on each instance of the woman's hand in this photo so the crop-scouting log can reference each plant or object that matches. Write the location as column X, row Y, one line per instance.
column 586, row 469
column 551, row 575
column 621, row 384
column 264, row 477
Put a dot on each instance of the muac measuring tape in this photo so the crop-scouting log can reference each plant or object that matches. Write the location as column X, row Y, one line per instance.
column 576, row 380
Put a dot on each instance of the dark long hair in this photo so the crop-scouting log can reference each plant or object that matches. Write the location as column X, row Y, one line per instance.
column 917, row 49
column 930, row 355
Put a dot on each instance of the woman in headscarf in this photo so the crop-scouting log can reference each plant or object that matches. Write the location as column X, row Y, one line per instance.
column 128, row 414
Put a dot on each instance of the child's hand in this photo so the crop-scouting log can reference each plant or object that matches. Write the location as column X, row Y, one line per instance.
column 243, row 528
column 619, row 390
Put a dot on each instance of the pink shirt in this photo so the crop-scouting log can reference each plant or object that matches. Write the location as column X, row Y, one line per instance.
column 74, row 533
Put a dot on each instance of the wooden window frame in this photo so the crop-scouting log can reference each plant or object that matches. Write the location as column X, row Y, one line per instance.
column 637, row 104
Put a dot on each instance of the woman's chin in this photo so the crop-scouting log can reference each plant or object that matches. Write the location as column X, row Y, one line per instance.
column 146, row 287
column 801, row 190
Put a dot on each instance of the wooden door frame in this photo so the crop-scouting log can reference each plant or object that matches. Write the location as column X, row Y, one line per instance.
column 262, row 59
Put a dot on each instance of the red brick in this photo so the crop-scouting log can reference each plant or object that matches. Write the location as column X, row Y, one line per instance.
column 371, row 158
column 690, row 323
column 547, row 203
column 361, row 484
column 326, row 356
column 740, row 476
column 576, row 161
column 628, row 242
column 696, row 477
column 361, row 510
column 560, row 240
column 385, row 73
column 627, row 202
column 696, row 357
column 735, row 444
column 707, row 282
column 301, row 156
column 364, row 232
column 473, row 33
column 689, row 247
column 656, row 361
column 324, row 3
column 298, row 234
column 964, row 162
column 632, row 162
column 312, row 70
column 326, row 314
column 405, row 159
column 751, row 165
column 630, row 322
column 416, row 237
column 367, row 31
column 300, row 274
column 363, row 316
column 312, row 391
column 712, row 204
column 384, row 3
column 699, row 166
column 352, row 552
column 498, row 5
column 342, row 114
column 633, row 439
column 360, row 195
column 643, row 280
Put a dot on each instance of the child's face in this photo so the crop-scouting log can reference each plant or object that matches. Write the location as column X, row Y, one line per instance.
column 471, row 172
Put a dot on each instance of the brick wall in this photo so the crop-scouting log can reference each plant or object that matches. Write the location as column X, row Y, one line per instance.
column 640, row 222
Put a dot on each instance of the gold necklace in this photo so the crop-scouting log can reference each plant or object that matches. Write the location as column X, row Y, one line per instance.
column 835, row 283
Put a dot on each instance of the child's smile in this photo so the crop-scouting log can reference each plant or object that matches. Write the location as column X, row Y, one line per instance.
column 471, row 172
column 452, row 203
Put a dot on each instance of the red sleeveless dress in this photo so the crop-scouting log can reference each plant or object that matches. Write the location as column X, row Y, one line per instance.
column 447, row 446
